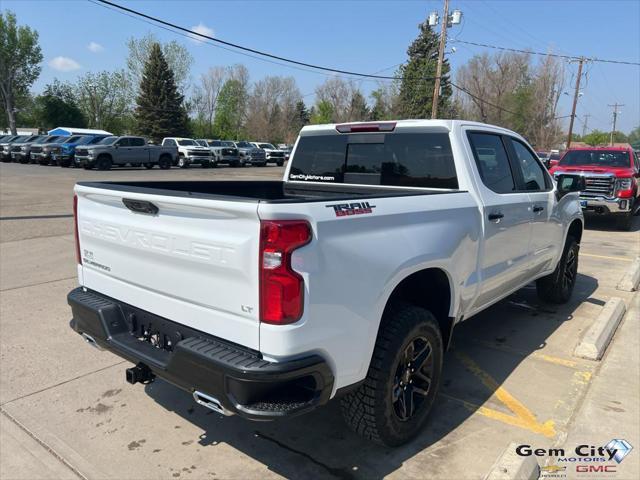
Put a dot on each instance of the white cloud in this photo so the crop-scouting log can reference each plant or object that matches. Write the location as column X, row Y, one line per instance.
column 64, row 64
column 95, row 47
column 202, row 29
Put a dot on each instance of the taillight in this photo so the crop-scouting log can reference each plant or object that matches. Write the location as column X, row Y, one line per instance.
column 75, row 229
column 366, row 127
column 281, row 289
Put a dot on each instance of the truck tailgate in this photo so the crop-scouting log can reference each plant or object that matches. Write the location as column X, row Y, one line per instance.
column 195, row 261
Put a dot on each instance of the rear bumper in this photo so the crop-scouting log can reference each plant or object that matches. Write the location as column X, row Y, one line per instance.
column 602, row 204
column 238, row 378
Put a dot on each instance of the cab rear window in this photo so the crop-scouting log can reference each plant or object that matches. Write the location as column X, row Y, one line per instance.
column 394, row 159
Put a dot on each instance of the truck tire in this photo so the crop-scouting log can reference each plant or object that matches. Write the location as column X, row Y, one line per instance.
column 149, row 165
column 182, row 162
column 393, row 403
column 164, row 162
column 103, row 163
column 281, row 163
column 558, row 286
column 624, row 221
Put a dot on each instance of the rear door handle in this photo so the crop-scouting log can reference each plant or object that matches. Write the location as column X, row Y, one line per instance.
column 496, row 216
column 140, row 206
column 538, row 209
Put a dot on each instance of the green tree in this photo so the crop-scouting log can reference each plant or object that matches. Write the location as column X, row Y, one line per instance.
column 228, row 121
column 58, row 106
column 596, row 137
column 159, row 111
column 302, row 115
column 176, row 55
column 417, row 83
column 358, row 109
column 104, row 100
column 634, row 138
column 323, row 113
column 20, row 57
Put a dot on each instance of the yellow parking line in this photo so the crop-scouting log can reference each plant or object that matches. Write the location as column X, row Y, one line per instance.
column 523, row 417
column 541, row 356
column 621, row 259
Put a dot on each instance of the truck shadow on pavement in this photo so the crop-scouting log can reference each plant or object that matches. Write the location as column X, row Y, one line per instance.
column 319, row 445
column 605, row 223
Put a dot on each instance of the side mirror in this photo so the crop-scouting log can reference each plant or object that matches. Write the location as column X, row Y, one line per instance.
column 568, row 183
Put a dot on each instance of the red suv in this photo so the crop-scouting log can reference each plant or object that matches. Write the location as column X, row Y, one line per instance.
column 611, row 178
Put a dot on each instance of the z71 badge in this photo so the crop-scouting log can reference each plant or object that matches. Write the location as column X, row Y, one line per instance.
column 356, row 208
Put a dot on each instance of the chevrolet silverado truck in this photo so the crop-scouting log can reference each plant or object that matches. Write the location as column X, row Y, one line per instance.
column 63, row 154
column 266, row 299
column 189, row 152
column 7, row 143
column 250, row 154
column 222, row 151
column 273, row 154
column 134, row 151
column 21, row 151
column 611, row 176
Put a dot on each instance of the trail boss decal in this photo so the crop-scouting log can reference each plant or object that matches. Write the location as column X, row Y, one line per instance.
column 356, row 208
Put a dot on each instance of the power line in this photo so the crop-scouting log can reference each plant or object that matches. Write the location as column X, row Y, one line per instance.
column 192, row 33
column 482, row 100
column 547, row 54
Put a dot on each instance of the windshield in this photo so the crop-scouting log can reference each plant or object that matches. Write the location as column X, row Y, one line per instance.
column 40, row 139
column 245, row 145
column 601, row 158
column 107, row 141
column 267, row 145
column 228, row 144
column 202, row 143
column 74, row 139
column 554, row 156
column 23, row 139
column 51, row 139
column 186, row 143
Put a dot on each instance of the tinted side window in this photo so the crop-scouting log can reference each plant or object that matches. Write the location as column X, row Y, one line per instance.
column 319, row 158
column 137, row 142
column 532, row 173
column 493, row 162
column 123, row 142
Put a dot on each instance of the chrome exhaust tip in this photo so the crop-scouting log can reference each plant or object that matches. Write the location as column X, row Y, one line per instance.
column 211, row 403
column 91, row 341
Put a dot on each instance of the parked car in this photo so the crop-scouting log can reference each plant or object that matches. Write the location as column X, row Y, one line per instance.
column 611, row 180
column 222, row 151
column 265, row 299
column 42, row 151
column 7, row 144
column 287, row 151
column 21, row 150
column 273, row 154
column 64, row 153
column 189, row 152
column 250, row 154
column 135, row 151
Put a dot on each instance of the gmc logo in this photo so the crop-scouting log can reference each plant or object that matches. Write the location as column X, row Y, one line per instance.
column 596, row 468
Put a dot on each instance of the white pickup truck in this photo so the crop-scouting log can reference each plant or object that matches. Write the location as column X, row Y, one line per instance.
column 266, row 299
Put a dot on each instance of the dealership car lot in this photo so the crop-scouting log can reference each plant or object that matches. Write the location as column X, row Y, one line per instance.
column 510, row 375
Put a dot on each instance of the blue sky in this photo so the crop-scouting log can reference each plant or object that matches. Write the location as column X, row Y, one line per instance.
column 365, row 36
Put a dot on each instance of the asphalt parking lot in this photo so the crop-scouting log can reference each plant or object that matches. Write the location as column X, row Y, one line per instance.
column 67, row 411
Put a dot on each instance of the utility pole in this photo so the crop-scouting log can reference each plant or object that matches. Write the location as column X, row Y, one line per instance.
column 615, row 118
column 584, row 124
column 443, row 41
column 575, row 101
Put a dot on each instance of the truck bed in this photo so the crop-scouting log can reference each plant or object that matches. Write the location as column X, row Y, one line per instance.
column 261, row 191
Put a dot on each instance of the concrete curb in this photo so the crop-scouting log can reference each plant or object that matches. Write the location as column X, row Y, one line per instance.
column 631, row 279
column 595, row 341
column 511, row 466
